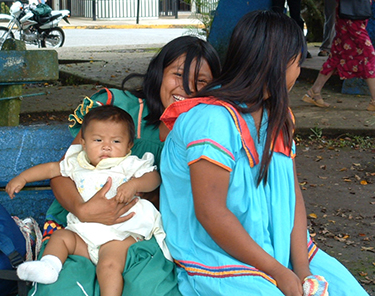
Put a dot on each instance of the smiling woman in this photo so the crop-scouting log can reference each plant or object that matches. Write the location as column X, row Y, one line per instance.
column 172, row 88
column 179, row 70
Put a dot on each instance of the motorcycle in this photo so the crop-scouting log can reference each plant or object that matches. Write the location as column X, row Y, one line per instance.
column 27, row 25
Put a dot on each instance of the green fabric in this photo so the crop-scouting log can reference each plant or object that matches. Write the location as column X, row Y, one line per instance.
column 146, row 273
column 42, row 10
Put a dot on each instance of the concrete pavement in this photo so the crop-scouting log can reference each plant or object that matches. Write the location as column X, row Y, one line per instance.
column 108, row 65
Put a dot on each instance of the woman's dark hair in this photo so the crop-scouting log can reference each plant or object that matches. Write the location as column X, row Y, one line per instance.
column 195, row 49
column 109, row 113
column 261, row 47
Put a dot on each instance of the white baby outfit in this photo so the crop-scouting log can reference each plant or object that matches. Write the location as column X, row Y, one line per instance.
column 89, row 179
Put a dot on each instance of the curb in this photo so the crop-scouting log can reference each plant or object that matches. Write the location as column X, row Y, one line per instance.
column 184, row 26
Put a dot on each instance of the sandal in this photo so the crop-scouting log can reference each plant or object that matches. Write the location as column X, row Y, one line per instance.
column 310, row 99
column 371, row 106
column 323, row 53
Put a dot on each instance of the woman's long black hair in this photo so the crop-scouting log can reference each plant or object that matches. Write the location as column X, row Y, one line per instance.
column 195, row 49
column 262, row 45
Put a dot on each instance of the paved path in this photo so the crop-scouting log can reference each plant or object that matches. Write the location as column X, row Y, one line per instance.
column 108, row 65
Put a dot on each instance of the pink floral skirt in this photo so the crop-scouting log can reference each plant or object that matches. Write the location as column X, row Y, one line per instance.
column 352, row 53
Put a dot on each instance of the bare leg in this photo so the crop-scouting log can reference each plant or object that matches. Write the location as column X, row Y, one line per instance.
column 320, row 82
column 371, row 85
column 65, row 242
column 112, row 258
column 46, row 270
column 313, row 95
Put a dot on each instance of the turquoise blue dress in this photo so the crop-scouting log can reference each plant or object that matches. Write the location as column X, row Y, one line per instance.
column 266, row 211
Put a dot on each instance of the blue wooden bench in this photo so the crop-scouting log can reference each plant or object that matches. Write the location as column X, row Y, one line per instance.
column 22, row 147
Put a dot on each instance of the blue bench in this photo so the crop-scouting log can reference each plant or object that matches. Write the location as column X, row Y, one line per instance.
column 22, row 147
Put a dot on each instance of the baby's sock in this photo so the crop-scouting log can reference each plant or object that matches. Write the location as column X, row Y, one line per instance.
column 45, row 271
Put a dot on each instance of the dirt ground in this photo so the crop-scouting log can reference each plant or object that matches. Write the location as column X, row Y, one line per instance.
column 336, row 175
column 338, row 188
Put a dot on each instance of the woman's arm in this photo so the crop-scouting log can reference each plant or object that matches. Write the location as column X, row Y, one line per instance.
column 210, row 185
column 299, row 251
column 97, row 209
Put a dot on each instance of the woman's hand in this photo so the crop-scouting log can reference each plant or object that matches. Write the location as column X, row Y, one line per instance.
column 288, row 282
column 106, row 211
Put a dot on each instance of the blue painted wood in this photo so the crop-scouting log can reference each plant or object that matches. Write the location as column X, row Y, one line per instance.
column 227, row 15
column 28, row 203
column 22, row 147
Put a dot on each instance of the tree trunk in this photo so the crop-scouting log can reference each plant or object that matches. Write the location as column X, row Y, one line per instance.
column 313, row 13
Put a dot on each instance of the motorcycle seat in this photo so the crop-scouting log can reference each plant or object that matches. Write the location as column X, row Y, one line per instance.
column 43, row 19
column 49, row 18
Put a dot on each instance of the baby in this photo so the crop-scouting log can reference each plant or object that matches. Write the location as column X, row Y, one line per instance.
column 104, row 156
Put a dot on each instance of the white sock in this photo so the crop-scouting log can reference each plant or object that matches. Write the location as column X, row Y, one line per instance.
column 45, row 271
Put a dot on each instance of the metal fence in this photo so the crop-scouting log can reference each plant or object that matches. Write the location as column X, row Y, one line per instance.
column 172, row 7
column 114, row 9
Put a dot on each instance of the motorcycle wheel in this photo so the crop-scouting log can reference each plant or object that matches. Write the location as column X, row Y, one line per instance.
column 53, row 38
column 3, row 31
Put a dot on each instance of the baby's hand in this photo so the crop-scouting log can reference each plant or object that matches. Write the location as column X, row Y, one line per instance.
column 126, row 192
column 15, row 185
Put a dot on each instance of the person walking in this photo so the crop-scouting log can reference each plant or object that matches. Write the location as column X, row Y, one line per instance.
column 352, row 56
column 329, row 27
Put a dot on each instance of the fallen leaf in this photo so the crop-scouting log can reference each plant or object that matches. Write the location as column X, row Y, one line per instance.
column 318, row 158
column 363, row 182
column 320, row 177
column 370, row 249
column 343, row 170
column 340, row 239
column 312, row 216
column 362, row 273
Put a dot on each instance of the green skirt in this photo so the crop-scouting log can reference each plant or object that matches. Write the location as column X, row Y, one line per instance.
column 146, row 272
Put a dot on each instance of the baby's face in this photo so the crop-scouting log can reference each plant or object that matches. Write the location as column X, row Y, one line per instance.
column 106, row 139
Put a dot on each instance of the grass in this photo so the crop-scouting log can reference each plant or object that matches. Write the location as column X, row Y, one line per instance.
column 343, row 141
